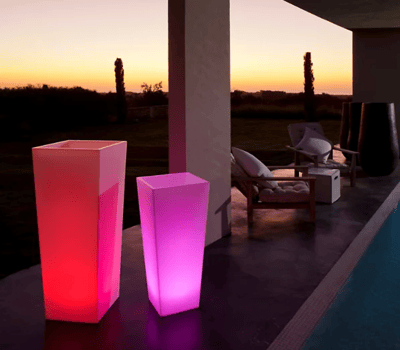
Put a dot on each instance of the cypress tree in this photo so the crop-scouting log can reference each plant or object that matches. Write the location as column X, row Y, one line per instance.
column 121, row 101
column 309, row 98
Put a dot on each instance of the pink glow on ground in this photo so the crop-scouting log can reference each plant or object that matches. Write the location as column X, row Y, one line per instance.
column 173, row 214
column 79, row 199
column 184, row 331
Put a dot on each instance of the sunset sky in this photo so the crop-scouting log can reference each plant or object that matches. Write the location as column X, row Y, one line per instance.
column 75, row 43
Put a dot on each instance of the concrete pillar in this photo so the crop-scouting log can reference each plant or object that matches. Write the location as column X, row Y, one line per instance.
column 199, row 101
column 376, row 67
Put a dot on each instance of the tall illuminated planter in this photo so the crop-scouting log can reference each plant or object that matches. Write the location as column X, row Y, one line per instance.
column 173, row 216
column 79, row 187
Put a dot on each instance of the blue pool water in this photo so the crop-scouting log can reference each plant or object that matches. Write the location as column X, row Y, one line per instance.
column 365, row 313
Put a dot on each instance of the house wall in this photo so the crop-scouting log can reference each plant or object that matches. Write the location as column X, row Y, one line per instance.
column 376, row 67
column 199, row 101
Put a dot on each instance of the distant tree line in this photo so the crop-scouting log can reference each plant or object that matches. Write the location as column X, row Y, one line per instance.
column 281, row 98
column 52, row 108
column 308, row 99
column 45, row 108
column 151, row 96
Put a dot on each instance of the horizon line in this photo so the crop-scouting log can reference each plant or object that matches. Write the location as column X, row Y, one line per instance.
column 40, row 86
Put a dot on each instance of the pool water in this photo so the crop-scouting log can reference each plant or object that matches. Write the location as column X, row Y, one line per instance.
column 365, row 313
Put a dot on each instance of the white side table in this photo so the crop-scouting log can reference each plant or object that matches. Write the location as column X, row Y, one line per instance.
column 327, row 184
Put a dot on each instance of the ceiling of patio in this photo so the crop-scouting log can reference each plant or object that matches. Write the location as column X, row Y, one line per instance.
column 356, row 14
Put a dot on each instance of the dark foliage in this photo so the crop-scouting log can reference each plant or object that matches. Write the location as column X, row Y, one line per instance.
column 120, row 87
column 251, row 99
column 237, row 97
column 151, row 96
column 309, row 99
column 282, row 105
column 38, row 109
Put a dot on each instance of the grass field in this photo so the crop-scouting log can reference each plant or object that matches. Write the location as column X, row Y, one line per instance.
column 284, row 111
column 147, row 155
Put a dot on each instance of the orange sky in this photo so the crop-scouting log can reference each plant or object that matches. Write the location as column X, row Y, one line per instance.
column 75, row 43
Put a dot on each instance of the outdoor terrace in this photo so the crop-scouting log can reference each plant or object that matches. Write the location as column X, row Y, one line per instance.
column 254, row 282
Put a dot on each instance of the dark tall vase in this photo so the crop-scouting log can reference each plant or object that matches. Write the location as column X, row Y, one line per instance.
column 378, row 143
column 344, row 128
column 354, row 127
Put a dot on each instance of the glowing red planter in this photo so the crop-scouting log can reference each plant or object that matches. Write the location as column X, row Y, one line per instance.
column 173, row 217
column 79, row 188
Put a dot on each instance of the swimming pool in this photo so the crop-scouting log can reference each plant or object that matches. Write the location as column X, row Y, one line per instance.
column 365, row 313
column 357, row 304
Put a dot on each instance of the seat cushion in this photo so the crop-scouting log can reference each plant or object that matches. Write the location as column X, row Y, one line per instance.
column 330, row 164
column 287, row 191
column 315, row 143
column 237, row 170
column 253, row 167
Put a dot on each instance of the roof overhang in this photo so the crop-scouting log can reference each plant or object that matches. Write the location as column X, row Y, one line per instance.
column 354, row 14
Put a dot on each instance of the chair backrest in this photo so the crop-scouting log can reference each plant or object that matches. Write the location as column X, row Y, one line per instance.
column 296, row 131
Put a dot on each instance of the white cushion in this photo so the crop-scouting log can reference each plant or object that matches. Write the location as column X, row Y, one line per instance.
column 253, row 167
column 237, row 170
column 315, row 143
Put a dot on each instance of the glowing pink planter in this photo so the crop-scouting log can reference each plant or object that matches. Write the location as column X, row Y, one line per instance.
column 79, row 188
column 173, row 217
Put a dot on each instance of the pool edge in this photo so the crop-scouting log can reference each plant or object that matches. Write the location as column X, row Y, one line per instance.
column 300, row 327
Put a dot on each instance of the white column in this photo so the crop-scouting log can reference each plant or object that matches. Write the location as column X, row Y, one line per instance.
column 199, row 101
column 376, row 67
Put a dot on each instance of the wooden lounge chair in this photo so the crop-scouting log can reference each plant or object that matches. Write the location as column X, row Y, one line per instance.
column 296, row 133
column 291, row 193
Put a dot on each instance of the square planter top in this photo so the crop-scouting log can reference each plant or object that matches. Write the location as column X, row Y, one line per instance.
column 80, row 144
column 172, row 180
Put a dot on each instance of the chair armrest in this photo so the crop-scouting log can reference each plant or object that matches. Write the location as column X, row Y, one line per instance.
column 300, row 167
column 314, row 157
column 345, row 150
column 254, row 179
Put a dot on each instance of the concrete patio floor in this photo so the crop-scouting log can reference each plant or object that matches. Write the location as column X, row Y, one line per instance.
column 254, row 282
